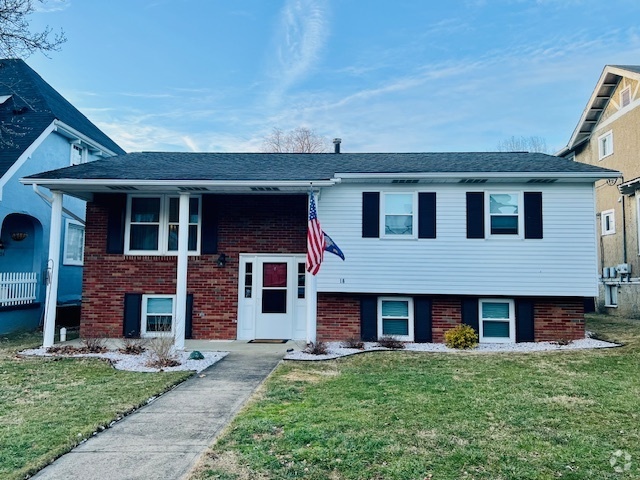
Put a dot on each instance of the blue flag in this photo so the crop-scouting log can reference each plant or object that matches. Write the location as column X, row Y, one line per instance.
column 331, row 247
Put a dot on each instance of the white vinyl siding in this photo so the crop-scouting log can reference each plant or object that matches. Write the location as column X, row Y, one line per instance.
column 453, row 264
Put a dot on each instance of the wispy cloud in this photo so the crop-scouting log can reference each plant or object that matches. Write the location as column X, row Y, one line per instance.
column 49, row 6
column 302, row 33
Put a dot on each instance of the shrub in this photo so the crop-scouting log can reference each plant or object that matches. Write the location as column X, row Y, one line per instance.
column 95, row 344
column 132, row 346
column 461, row 336
column 316, row 348
column 353, row 342
column 162, row 352
column 391, row 342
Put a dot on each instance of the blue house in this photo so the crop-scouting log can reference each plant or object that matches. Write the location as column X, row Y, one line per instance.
column 39, row 131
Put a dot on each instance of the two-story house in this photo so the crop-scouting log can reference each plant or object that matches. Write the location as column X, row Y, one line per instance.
column 39, row 130
column 608, row 135
column 212, row 245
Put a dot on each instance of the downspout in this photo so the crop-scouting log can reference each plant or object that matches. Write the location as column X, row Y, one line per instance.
column 624, row 230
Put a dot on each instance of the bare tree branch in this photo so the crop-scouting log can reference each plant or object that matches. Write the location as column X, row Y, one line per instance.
column 299, row 140
column 16, row 39
column 524, row 144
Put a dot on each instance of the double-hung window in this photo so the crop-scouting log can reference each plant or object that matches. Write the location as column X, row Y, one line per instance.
column 398, row 215
column 497, row 321
column 504, row 213
column 73, row 243
column 608, row 222
column 605, row 145
column 152, row 225
column 395, row 318
column 158, row 315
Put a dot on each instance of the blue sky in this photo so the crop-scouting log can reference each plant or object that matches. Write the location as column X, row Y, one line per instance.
column 385, row 76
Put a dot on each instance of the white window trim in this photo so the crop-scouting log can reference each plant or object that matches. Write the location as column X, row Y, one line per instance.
column 143, row 318
column 603, row 224
column 622, row 92
column 414, row 222
column 409, row 300
column 487, row 214
column 601, row 153
column 65, row 260
column 610, row 295
column 511, row 320
column 163, row 235
column 84, row 154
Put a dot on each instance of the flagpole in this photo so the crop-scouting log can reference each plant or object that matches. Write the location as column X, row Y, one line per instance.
column 312, row 306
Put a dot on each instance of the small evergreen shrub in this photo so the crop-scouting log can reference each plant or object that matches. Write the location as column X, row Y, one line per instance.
column 353, row 342
column 391, row 342
column 316, row 348
column 461, row 336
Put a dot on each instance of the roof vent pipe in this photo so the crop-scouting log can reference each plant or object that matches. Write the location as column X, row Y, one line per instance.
column 336, row 143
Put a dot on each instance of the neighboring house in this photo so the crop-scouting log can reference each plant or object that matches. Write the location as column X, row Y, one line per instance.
column 504, row 242
column 39, row 130
column 608, row 135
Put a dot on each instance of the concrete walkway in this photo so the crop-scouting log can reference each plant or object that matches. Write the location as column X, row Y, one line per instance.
column 163, row 439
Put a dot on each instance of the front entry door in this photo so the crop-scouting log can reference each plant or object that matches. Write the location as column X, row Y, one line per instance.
column 272, row 303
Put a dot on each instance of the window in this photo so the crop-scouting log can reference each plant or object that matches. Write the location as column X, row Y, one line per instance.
column 625, row 97
column 301, row 279
column 78, row 154
column 152, row 225
column 497, row 321
column 395, row 318
column 608, row 221
column 605, row 145
column 158, row 313
column 73, row 243
column 610, row 295
column 504, row 215
column 398, row 215
column 248, row 280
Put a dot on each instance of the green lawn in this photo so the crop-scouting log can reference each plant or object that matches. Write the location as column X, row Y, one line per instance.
column 47, row 406
column 404, row 415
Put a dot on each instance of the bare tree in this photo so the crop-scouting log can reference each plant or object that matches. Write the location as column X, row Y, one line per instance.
column 298, row 140
column 524, row 144
column 16, row 38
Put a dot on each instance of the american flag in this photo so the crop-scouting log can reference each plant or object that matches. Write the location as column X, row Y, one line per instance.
column 315, row 239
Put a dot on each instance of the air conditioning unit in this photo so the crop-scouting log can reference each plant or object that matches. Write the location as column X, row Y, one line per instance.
column 623, row 268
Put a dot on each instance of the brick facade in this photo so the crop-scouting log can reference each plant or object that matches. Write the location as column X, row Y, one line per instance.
column 338, row 317
column 559, row 319
column 246, row 224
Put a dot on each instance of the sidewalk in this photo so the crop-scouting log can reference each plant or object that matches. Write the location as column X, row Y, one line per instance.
column 163, row 439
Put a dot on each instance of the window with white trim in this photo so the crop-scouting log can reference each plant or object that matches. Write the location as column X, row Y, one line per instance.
column 395, row 318
column 73, row 252
column 398, row 215
column 504, row 214
column 152, row 225
column 610, row 295
column 608, row 222
column 158, row 315
column 625, row 97
column 78, row 154
column 605, row 145
column 497, row 320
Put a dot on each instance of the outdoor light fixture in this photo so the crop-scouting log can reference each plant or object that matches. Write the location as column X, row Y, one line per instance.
column 222, row 260
column 1, row 248
column 18, row 236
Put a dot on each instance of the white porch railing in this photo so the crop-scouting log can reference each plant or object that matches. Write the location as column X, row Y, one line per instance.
column 17, row 288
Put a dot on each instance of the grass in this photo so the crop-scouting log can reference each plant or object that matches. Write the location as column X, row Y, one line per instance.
column 47, row 406
column 408, row 415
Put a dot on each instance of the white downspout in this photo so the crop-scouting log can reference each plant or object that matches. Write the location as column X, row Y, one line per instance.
column 51, row 299
column 181, row 274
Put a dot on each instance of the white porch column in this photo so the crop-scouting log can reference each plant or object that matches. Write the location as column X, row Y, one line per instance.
column 312, row 306
column 53, row 268
column 181, row 274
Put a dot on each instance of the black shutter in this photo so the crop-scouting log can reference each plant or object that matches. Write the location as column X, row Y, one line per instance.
column 116, row 214
column 524, row 321
column 470, row 313
column 532, row 214
column 188, row 326
column 475, row 215
column 209, row 229
column 369, row 319
column 132, row 315
column 370, row 214
column 422, row 319
column 427, row 215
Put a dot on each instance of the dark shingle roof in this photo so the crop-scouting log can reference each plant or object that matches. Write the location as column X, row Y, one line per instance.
column 33, row 105
column 320, row 166
column 631, row 68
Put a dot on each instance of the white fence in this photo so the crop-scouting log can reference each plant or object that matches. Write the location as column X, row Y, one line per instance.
column 17, row 288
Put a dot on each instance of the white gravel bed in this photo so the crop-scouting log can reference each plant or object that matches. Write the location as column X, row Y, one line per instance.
column 138, row 363
column 335, row 350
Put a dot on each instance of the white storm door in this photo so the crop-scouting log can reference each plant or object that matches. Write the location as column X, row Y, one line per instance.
column 275, row 290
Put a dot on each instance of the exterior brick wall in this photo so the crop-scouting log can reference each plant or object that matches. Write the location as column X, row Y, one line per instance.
column 338, row 317
column 247, row 224
column 559, row 319
column 446, row 313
